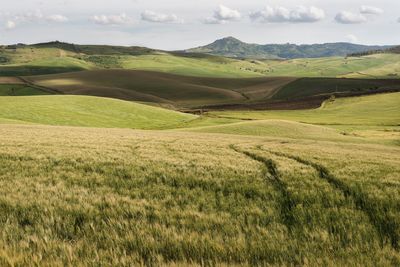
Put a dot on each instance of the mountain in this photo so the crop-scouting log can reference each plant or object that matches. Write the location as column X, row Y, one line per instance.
column 232, row 47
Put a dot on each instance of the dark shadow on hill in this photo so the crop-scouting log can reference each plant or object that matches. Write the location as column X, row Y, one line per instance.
column 27, row 70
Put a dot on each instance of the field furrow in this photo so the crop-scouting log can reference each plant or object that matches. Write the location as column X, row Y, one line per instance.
column 378, row 215
column 272, row 175
column 325, row 211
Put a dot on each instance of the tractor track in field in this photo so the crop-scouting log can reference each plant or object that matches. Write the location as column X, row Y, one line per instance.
column 271, row 174
column 387, row 228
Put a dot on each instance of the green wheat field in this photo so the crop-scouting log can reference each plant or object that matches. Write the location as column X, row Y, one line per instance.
column 151, row 160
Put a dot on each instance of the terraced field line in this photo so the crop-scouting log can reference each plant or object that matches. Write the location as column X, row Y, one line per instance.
column 42, row 88
column 271, row 174
column 377, row 214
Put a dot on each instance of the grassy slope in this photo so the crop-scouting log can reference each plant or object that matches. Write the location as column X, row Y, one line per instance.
column 277, row 128
column 206, row 67
column 113, row 197
column 374, row 66
column 306, row 87
column 381, row 109
column 88, row 111
column 374, row 117
column 33, row 61
column 19, row 90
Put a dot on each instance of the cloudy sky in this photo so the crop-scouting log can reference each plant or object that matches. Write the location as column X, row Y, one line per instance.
column 179, row 24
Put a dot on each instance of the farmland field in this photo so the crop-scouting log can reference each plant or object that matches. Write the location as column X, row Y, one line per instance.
column 89, row 111
column 34, row 60
column 219, row 191
column 19, row 90
column 130, row 156
column 74, row 196
column 380, row 109
column 194, row 92
column 157, row 87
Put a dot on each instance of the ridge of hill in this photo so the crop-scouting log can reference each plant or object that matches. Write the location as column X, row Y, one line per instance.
column 232, row 47
column 89, row 49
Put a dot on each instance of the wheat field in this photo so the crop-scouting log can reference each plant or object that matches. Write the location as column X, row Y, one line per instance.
column 75, row 196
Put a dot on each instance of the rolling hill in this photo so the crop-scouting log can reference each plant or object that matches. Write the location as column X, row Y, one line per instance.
column 57, row 57
column 163, row 88
column 50, row 58
column 377, row 110
column 309, row 87
column 188, row 92
column 94, row 49
column 88, row 112
column 232, row 47
column 371, row 119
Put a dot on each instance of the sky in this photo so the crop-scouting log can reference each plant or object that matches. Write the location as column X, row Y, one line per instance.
column 182, row 24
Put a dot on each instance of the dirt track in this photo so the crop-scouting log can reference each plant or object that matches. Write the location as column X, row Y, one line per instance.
column 11, row 80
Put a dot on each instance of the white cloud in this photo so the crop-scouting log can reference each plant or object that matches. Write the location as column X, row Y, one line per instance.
column 57, row 18
column 371, row 10
column 398, row 20
column 223, row 15
column 346, row 17
column 10, row 25
column 36, row 16
column 111, row 19
column 282, row 14
column 352, row 38
column 151, row 16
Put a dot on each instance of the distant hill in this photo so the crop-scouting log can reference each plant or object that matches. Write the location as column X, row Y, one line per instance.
column 232, row 47
column 60, row 57
column 395, row 50
column 91, row 49
column 391, row 50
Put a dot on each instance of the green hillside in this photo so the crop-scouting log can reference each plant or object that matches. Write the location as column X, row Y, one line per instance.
column 19, row 90
column 368, row 67
column 193, row 65
column 307, row 87
column 381, row 110
column 33, row 61
column 96, row 49
column 89, row 112
column 60, row 57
